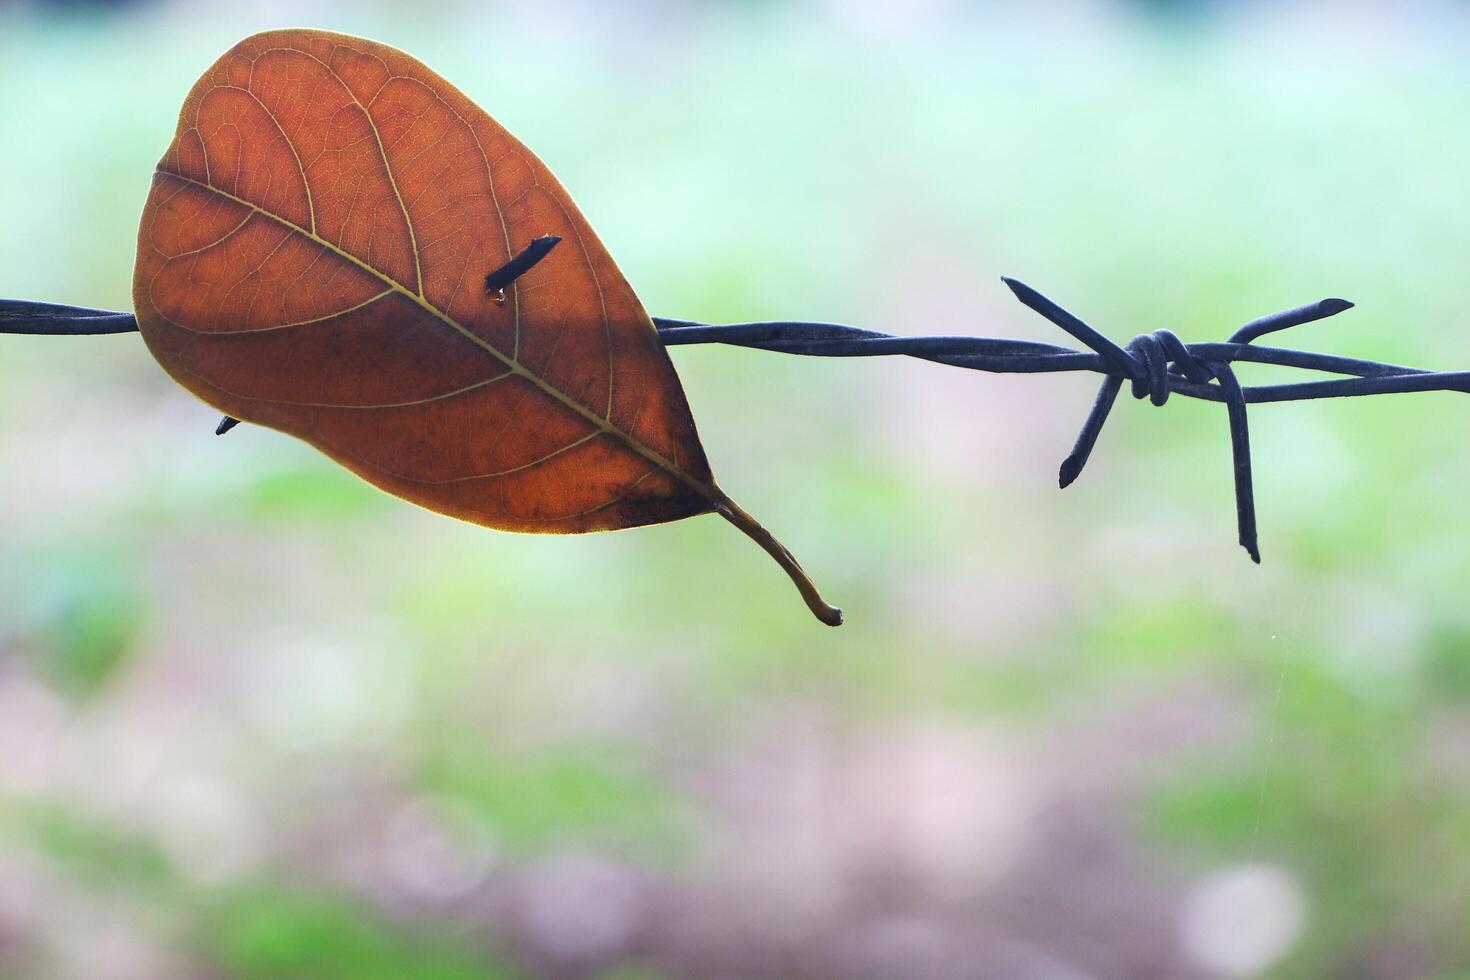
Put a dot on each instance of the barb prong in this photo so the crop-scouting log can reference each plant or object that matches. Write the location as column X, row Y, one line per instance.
column 1272, row 322
column 520, row 264
column 1116, row 357
column 1240, row 447
column 1087, row 438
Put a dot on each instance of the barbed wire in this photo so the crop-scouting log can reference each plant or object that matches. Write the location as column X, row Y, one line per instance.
column 1156, row 364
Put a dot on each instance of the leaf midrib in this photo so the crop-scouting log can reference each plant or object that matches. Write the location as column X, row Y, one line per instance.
column 706, row 490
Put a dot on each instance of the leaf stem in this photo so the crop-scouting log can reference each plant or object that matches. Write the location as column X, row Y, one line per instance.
column 753, row 529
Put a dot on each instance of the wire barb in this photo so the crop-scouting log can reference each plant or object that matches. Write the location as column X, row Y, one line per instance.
column 1150, row 361
column 1155, row 365
column 519, row 265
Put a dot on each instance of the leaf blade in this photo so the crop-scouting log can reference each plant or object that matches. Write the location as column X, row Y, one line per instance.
column 308, row 259
column 229, row 168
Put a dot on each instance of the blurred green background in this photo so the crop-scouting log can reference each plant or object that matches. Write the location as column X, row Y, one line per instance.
column 260, row 720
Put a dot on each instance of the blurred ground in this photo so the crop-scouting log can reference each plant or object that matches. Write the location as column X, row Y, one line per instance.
column 259, row 720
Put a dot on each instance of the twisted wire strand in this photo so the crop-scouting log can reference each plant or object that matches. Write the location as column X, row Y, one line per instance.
column 1155, row 365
